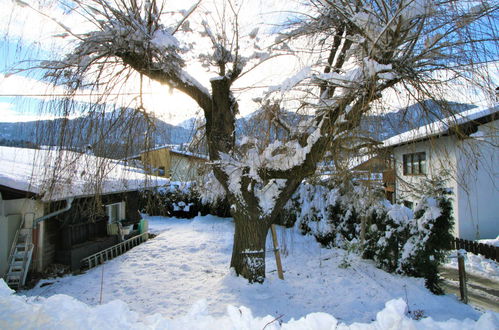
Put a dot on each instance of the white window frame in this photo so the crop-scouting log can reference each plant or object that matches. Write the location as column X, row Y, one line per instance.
column 120, row 211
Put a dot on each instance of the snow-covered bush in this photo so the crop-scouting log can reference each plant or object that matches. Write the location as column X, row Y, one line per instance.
column 181, row 200
column 332, row 215
column 410, row 243
column 396, row 238
column 429, row 240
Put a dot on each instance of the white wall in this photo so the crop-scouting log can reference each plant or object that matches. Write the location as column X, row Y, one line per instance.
column 478, row 193
column 440, row 162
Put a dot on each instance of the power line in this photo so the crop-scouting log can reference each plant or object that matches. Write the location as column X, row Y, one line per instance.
column 65, row 95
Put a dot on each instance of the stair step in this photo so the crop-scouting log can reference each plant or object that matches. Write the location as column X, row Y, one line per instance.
column 14, row 273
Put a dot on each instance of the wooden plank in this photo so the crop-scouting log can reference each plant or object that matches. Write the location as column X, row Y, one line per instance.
column 462, row 277
column 277, row 252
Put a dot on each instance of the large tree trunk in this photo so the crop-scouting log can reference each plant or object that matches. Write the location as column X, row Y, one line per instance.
column 248, row 251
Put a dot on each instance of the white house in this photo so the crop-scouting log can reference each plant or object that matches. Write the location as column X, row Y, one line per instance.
column 48, row 204
column 462, row 150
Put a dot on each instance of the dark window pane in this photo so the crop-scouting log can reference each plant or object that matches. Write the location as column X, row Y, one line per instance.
column 422, row 163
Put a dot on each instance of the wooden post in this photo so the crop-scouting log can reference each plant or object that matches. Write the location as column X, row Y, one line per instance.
column 462, row 276
column 277, row 253
column 363, row 222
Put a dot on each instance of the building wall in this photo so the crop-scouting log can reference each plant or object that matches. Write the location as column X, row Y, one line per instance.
column 73, row 233
column 13, row 212
column 440, row 160
column 478, row 193
column 440, row 163
column 185, row 168
column 178, row 167
column 154, row 159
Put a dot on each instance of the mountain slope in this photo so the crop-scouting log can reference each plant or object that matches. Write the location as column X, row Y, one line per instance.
column 114, row 134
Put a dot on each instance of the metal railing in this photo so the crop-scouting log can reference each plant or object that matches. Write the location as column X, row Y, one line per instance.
column 113, row 251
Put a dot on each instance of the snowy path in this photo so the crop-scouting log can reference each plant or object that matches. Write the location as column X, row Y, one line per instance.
column 188, row 261
column 482, row 292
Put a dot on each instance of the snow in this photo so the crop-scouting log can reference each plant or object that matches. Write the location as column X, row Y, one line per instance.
column 494, row 241
column 477, row 265
column 400, row 214
column 291, row 82
column 61, row 311
column 75, row 174
column 268, row 195
column 415, row 9
column 181, row 279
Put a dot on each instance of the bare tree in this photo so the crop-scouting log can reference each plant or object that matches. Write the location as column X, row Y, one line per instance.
column 357, row 49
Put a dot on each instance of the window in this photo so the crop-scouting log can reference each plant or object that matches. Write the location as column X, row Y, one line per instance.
column 409, row 204
column 415, row 164
column 161, row 171
column 114, row 212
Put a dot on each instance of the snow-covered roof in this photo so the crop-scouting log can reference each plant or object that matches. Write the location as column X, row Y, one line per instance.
column 189, row 154
column 441, row 127
column 56, row 175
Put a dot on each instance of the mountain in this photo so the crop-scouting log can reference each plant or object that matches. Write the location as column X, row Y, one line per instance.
column 384, row 126
column 115, row 134
column 378, row 126
column 125, row 132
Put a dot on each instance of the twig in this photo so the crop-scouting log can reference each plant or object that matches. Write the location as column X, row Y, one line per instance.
column 407, row 300
column 277, row 318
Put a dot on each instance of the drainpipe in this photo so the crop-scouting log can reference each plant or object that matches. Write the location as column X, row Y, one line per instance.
column 69, row 201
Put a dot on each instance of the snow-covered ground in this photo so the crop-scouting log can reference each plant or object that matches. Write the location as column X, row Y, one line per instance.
column 183, row 275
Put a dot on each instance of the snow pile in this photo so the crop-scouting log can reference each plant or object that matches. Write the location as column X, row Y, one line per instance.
column 65, row 312
column 494, row 241
column 476, row 265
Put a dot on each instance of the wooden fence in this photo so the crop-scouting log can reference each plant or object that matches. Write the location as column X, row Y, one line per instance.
column 79, row 233
column 488, row 251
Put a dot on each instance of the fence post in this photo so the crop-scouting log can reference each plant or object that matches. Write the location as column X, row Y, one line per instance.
column 462, row 276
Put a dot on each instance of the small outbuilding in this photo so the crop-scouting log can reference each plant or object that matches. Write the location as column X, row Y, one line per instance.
column 167, row 161
column 59, row 206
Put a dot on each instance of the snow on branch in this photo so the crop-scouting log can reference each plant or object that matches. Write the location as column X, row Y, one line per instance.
column 130, row 37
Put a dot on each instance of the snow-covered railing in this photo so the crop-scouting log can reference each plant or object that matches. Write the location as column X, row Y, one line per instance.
column 113, row 251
